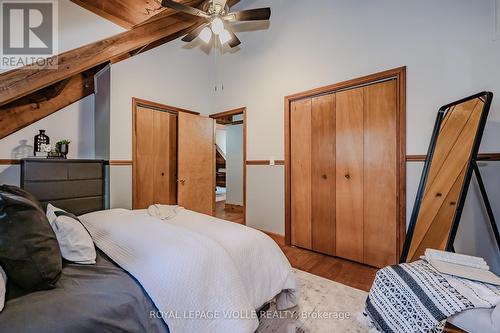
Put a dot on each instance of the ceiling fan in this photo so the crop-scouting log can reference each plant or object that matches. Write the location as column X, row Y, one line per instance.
column 217, row 17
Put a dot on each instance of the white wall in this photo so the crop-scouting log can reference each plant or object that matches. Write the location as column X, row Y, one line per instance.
column 75, row 123
column 171, row 74
column 448, row 46
column 234, row 165
column 78, row 27
column 451, row 48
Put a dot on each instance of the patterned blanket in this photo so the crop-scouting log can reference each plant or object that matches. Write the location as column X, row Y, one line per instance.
column 416, row 298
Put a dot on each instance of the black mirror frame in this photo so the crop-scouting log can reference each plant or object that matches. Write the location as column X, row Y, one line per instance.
column 487, row 97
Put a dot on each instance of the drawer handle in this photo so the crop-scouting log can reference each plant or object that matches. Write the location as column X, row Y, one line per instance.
column 324, row 177
column 348, row 176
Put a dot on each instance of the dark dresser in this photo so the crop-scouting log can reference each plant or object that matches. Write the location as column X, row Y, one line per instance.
column 77, row 186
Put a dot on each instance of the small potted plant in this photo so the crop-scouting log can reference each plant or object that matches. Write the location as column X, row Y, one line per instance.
column 63, row 147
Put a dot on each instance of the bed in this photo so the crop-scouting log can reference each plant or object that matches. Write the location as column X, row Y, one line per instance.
column 191, row 273
column 100, row 298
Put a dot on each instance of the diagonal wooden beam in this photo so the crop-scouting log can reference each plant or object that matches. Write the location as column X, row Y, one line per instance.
column 23, row 81
column 151, row 45
column 25, row 111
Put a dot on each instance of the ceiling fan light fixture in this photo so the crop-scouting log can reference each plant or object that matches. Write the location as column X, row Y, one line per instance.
column 225, row 37
column 205, row 34
column 217, row 25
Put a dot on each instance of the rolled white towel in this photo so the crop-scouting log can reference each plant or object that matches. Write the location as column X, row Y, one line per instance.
column 163, row 212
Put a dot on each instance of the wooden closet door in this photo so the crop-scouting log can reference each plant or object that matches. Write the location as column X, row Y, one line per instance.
column 155, row 158
column 380, row 164
column 349, row 174
column 300, row 151
column 323, row 174
column 165, row 158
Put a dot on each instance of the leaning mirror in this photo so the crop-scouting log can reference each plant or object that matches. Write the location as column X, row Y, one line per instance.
column 446, row 176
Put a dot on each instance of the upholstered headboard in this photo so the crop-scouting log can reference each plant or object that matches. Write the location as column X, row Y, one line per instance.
column 76, row 186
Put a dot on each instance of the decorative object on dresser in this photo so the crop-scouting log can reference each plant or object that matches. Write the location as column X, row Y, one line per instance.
column 450, row 163
column 62, row 147
column 42, row 144
column 76, row 186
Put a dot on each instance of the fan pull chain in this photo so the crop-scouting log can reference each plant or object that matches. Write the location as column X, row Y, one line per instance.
column 215, row 62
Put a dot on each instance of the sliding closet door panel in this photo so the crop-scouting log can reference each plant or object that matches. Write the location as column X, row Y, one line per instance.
column 301, row 214
column 144, row 159
column 196, row 163
column 323, row 174
column 165, row 158
column 349, row 174
column 380, row 174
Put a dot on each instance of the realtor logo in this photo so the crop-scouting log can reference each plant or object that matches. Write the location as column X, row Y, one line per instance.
column 29, row 33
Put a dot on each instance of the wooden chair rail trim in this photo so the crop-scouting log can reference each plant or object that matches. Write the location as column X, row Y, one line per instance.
column 10, row 162
column 120, row 162
column 409, row 158
column 264, row 162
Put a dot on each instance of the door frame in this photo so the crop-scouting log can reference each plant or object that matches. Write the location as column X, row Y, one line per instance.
column 399, row 74
column 136, row 102
column 234, row 112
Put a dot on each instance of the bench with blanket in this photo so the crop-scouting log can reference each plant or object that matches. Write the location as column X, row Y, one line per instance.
column 415, row 297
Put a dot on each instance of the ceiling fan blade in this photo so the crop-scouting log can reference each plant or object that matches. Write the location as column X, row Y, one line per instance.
column 184, row 8
column 194, row 33
column 249, row 15
column 235, row 41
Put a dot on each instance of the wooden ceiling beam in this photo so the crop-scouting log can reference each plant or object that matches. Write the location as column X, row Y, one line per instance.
column 23, row 81
column 129, row 13
column 29, row 109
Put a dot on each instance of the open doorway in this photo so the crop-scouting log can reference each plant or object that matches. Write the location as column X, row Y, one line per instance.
column 230, row 171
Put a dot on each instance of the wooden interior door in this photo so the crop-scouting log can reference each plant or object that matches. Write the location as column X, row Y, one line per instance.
column 155, row 154
column 196, row 163
column 323, row 174
column 349, row 174
column 300, row 146
column 380, row 172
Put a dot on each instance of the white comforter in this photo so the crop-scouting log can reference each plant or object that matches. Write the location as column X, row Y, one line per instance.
column 202, row 273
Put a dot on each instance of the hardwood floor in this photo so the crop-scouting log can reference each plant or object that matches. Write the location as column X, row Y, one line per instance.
column 347, row 272
column 343, row 271
column 222, row 213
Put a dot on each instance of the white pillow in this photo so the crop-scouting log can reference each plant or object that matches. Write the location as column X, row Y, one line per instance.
column 3, row 287
column 74, row 240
